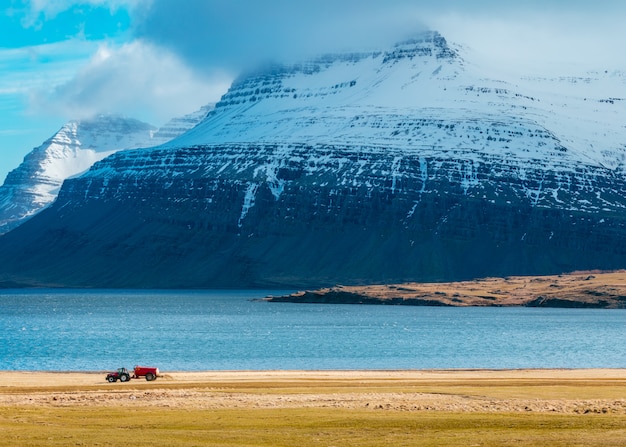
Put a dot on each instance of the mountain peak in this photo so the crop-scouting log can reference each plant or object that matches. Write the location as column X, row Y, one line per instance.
column 115, row 121
column 103, row 133
column 76, row 146
column 426, row 44
column 413, row 73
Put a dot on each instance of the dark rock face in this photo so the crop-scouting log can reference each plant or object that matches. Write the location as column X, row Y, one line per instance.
column 223, row 229
column 326, row 173
column 339, row 297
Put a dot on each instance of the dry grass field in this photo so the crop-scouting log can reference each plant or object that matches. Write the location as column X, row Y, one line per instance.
column 578, row 289
column 317, row 408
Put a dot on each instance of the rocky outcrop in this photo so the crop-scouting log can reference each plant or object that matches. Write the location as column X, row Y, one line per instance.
column 581, row 290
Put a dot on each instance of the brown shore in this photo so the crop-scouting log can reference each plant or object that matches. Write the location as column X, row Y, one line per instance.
column 590, row 289
column 537, row 408
column 567, row 391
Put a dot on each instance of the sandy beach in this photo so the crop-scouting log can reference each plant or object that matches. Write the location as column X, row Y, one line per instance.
column 575, row 391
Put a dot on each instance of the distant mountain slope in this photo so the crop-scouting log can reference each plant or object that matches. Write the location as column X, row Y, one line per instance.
column 179, row 125
column 72, row 150
column 406, row 164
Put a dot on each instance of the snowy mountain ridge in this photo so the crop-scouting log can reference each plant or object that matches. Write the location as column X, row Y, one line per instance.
column 419, row 78
column 406, row 164
column 418, row 99
column 179, row 125
column 72, row 150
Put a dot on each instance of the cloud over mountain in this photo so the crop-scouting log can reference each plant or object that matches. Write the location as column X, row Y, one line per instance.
column 181, row 55
column 132, row 78
column 240, row 33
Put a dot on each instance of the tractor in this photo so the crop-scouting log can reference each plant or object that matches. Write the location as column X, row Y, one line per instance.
column 149, row 372
column 121, row 374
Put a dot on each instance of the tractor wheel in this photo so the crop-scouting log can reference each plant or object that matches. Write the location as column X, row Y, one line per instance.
column 124, row 378
column 150, row 376
column 111, row 379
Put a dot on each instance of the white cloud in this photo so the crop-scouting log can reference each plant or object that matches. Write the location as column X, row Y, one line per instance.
column 241, row 33
column 173, row 68
column 550, row 41
column 135, row 79
column 237, row 33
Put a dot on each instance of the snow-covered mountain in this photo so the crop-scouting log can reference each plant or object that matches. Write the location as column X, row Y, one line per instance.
column 179, row 125
column 72, row 150
column 401, row 164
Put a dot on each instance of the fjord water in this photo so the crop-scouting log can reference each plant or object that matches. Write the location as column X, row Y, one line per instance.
column 60, row 330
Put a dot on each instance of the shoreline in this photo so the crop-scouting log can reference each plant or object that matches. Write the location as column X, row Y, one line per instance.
column 43, row 379
column 564, row 391
column 592, row 290
column 535, row 407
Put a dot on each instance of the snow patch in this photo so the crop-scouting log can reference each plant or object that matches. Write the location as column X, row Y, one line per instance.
column 248, row 201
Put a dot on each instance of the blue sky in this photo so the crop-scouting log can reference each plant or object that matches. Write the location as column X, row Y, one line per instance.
column 156, row 59
column 66, row 59
column 32, row 57
column 37, row 52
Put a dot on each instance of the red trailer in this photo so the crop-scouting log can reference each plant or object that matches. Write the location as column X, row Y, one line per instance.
column 149, row 372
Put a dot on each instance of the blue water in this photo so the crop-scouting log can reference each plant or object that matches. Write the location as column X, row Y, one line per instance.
column 228, row 330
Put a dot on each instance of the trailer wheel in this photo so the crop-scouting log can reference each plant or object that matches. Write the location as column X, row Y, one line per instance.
column 111, row 379
column 124, row 378
column 150, row 376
